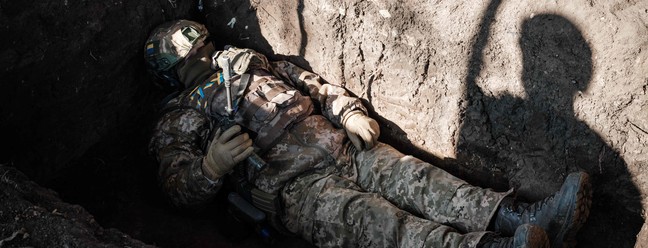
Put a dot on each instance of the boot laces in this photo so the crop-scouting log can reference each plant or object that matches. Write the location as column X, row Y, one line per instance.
column 537, row 207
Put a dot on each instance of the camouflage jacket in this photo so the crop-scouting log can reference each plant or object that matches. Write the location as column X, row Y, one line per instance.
column 182, row 133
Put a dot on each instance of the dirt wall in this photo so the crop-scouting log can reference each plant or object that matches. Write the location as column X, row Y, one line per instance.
column 502, row 93
column 72, row 73
column 33, row 216
column 527, row 91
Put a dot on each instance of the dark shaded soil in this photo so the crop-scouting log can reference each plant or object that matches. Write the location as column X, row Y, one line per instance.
column 501, row 93
column 32, row 216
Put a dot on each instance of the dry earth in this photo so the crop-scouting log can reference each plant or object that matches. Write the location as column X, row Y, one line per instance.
column 527, row 90
column 502, row 93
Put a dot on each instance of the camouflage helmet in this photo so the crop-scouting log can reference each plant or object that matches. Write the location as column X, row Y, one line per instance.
column 170, row 43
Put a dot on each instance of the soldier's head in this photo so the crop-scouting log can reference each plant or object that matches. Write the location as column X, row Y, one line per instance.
column 557, row 59
column 169, row 45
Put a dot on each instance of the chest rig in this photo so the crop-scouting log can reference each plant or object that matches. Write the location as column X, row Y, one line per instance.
column 263, row 104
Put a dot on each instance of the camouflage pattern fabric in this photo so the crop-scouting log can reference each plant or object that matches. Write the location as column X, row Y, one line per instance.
column 334, row 101
column 172, row 41
column 181, row 135
column 177, row 143
column 426, row 190
column 372, row 198
column 333, row 196
column 310, row 145
column 331, row 211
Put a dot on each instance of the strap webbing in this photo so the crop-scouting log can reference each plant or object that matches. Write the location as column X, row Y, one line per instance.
column 239, row 88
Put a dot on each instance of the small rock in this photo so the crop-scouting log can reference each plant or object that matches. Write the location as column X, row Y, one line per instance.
column 384, row 13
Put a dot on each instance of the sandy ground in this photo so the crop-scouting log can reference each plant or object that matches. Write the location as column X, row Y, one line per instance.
column 501, row 93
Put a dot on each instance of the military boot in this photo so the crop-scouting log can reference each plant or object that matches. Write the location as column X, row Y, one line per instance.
column 526, row 236
column 561, row 215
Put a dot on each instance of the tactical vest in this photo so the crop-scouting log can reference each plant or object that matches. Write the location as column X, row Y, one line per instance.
column 268, row 105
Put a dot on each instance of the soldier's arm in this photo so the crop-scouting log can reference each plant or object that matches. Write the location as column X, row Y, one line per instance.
column 335, row 102
column 177, row 144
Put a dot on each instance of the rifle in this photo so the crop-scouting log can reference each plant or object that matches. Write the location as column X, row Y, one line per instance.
column 228, row 122
column 240, row 201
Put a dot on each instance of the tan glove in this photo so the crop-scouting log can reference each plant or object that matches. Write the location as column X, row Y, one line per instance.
column 362, row 130
column 226, row 150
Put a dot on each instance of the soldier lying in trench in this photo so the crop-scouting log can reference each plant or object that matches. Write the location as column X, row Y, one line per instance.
column 328, row 179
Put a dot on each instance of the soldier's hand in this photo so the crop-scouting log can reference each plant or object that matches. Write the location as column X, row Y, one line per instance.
column 362, row 131
column 226, row 150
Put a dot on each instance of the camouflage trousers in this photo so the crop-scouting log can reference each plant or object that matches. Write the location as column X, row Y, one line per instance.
column 381, row 198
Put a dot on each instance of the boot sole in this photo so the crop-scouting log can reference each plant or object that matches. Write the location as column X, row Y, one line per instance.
column 530, row 236
column 578, row 213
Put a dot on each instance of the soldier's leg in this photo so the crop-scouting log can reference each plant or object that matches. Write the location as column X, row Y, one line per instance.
column 329, row 211
column 425, row 189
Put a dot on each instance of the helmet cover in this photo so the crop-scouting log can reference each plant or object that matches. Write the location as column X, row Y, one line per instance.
column 171, row 42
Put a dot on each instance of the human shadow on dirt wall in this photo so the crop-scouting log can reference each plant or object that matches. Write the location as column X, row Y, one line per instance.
column 537, row 140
